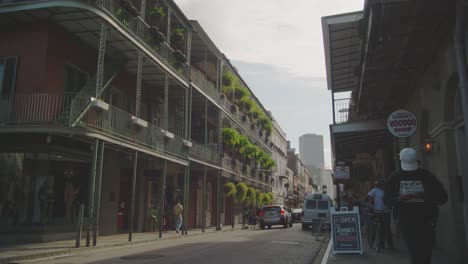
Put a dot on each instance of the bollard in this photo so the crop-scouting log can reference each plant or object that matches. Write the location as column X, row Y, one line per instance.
column 79, row 226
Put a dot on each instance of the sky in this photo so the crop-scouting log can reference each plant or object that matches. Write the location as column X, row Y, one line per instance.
column 277, row 47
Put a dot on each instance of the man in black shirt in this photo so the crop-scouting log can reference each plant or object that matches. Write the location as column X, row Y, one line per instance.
column 417, row 193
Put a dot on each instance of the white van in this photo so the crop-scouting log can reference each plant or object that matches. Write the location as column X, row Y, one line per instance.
column 315, row 207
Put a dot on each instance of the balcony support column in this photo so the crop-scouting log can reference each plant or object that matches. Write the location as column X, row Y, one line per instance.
column 206, row 122
column 132, row 201
column 204, row 200
column 138, row 84
column 169, row 19
column 163, row 197
column 143, row 9
column 101, row 57
column 91, row 192
column 218, row 202
column 189, row 47
column 99, row 190
column 166, row 102
column 187, row 197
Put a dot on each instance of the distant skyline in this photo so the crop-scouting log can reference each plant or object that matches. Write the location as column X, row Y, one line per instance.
column 277, row 47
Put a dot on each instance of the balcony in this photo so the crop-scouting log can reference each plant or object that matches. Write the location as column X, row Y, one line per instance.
column 200, row 80
column 208, row 153
column 53, row 110
column 136, row 26
column 342, row 108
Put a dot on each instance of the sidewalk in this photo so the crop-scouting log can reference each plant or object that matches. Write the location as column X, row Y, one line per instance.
column 386, row 256
column 13, row 253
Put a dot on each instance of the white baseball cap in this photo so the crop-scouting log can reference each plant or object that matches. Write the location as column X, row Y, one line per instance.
column 409, row 159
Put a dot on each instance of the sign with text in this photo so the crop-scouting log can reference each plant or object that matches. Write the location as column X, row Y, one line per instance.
column 346, row 231
column 342, row 172
column 402, row 123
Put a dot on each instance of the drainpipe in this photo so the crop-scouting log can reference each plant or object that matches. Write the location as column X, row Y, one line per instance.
column 460, row 51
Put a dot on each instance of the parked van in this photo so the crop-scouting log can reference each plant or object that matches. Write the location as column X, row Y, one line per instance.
column 315, row 207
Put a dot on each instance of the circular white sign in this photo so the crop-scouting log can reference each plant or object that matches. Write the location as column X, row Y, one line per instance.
column 402, row 123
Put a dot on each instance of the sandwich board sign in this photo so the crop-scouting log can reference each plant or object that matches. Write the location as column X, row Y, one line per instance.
column 402, row 123
column 346, row 231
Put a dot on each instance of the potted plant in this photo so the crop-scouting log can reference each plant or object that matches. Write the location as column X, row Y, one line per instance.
column 157, row 34
column 129, row 7
column 230, row 189
column 178, row 34
column 158, row 13
column 180, row 56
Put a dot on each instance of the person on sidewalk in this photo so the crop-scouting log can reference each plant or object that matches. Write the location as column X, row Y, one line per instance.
column 418, row 195
column 177, row 209
column 377, row 194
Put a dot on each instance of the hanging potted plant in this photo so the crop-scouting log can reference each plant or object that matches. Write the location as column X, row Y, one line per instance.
column 158, row 13
column 158, row 36
column 129, row 7
column 180, row 56
column 251, row 197
column 241, row 192
column 230, row 189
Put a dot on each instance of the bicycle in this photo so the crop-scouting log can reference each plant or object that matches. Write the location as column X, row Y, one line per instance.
column 375, row 229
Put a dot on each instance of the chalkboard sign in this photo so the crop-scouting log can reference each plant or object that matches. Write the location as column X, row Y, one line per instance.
column 346, row 231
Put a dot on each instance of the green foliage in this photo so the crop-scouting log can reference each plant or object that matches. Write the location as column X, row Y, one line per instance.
column 241, row 192
column 230, row 189
column 260, row 198
column 251, row 197
column 158, row 12
column 246, row 104
column 231, row 137
column 179, row 34
column 269, row 198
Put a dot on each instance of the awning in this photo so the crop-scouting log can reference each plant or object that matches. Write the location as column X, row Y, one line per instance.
column 342, row 50
column 352, row 139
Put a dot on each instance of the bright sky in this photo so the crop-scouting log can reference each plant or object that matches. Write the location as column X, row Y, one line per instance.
column 277, row 47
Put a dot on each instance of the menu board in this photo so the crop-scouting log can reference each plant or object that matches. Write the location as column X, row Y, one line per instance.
column 346, row 231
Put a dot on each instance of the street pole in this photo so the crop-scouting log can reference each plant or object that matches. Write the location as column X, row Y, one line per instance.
column 204, row 200
column 98, row 195
column 161, row 224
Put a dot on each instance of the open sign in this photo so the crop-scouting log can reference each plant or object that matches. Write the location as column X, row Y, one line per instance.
column 402, row 123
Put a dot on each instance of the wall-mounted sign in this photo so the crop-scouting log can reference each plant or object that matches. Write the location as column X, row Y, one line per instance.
column 342, row 172
column 402, row 123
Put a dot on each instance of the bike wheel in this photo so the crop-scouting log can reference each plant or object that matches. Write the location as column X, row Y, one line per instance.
column 371, row 235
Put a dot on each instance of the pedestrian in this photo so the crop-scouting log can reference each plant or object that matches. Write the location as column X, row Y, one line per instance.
column 418, row 194
column 377, row 194
column 177, row 209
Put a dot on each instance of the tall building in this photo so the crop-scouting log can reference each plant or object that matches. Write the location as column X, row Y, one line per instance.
column 311, row 150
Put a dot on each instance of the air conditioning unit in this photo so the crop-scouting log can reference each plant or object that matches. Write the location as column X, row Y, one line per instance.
column 139, row 122
column 99, row 104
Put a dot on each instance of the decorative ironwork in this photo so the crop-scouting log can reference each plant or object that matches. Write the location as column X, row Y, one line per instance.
column 138, row 84
column 101, row 56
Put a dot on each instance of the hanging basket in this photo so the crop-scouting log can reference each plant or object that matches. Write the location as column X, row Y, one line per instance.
column 230, row 189
column 180, row 56
column 157, row 35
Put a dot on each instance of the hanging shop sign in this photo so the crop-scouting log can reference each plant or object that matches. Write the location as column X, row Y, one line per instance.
column 342, row 172
column 346, row 231
column 402, row 123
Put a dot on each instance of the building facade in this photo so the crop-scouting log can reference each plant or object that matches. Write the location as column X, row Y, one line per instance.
column 372, row 73
column 279, row 153
column 123, row 107
column 311, row 150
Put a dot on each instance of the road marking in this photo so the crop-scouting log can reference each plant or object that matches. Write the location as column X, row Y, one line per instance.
column 327, row 253
column 41, row 259
column 285, row 242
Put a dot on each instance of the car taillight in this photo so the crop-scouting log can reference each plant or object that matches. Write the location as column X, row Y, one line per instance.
column 282, row 212
column 261, row 213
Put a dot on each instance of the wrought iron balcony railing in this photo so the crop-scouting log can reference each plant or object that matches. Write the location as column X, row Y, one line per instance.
column 137, row 27
column 208, row 152
column 51, row 109
column 342, row 107
column 203, row 83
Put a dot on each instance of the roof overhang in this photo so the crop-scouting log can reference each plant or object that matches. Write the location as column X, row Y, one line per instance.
column 343, row 50
column 363, row 137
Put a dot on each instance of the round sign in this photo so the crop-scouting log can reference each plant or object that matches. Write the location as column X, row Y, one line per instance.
column 402, row 123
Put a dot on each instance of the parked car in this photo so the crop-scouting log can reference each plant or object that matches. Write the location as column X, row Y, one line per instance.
column 296, row 215
column 275, row 215
column 316, row 206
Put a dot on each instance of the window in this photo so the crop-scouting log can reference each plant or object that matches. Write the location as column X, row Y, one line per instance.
column 311, row 204
column 7, row 76
column 75, row 78
column 322, row 204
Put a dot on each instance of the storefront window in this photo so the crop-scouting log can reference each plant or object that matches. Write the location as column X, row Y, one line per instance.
column 41, row 189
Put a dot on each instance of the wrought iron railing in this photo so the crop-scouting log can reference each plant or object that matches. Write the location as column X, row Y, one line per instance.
column 34, row 108
column 342, row 107
column 203, row 83
column 140, row 29
column 137, row 27
column 48, row 109
column 208, row 152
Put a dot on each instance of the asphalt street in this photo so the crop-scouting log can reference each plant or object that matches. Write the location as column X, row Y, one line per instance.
column 277, row 245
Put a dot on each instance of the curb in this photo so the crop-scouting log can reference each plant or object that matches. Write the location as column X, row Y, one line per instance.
column 76, row 251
